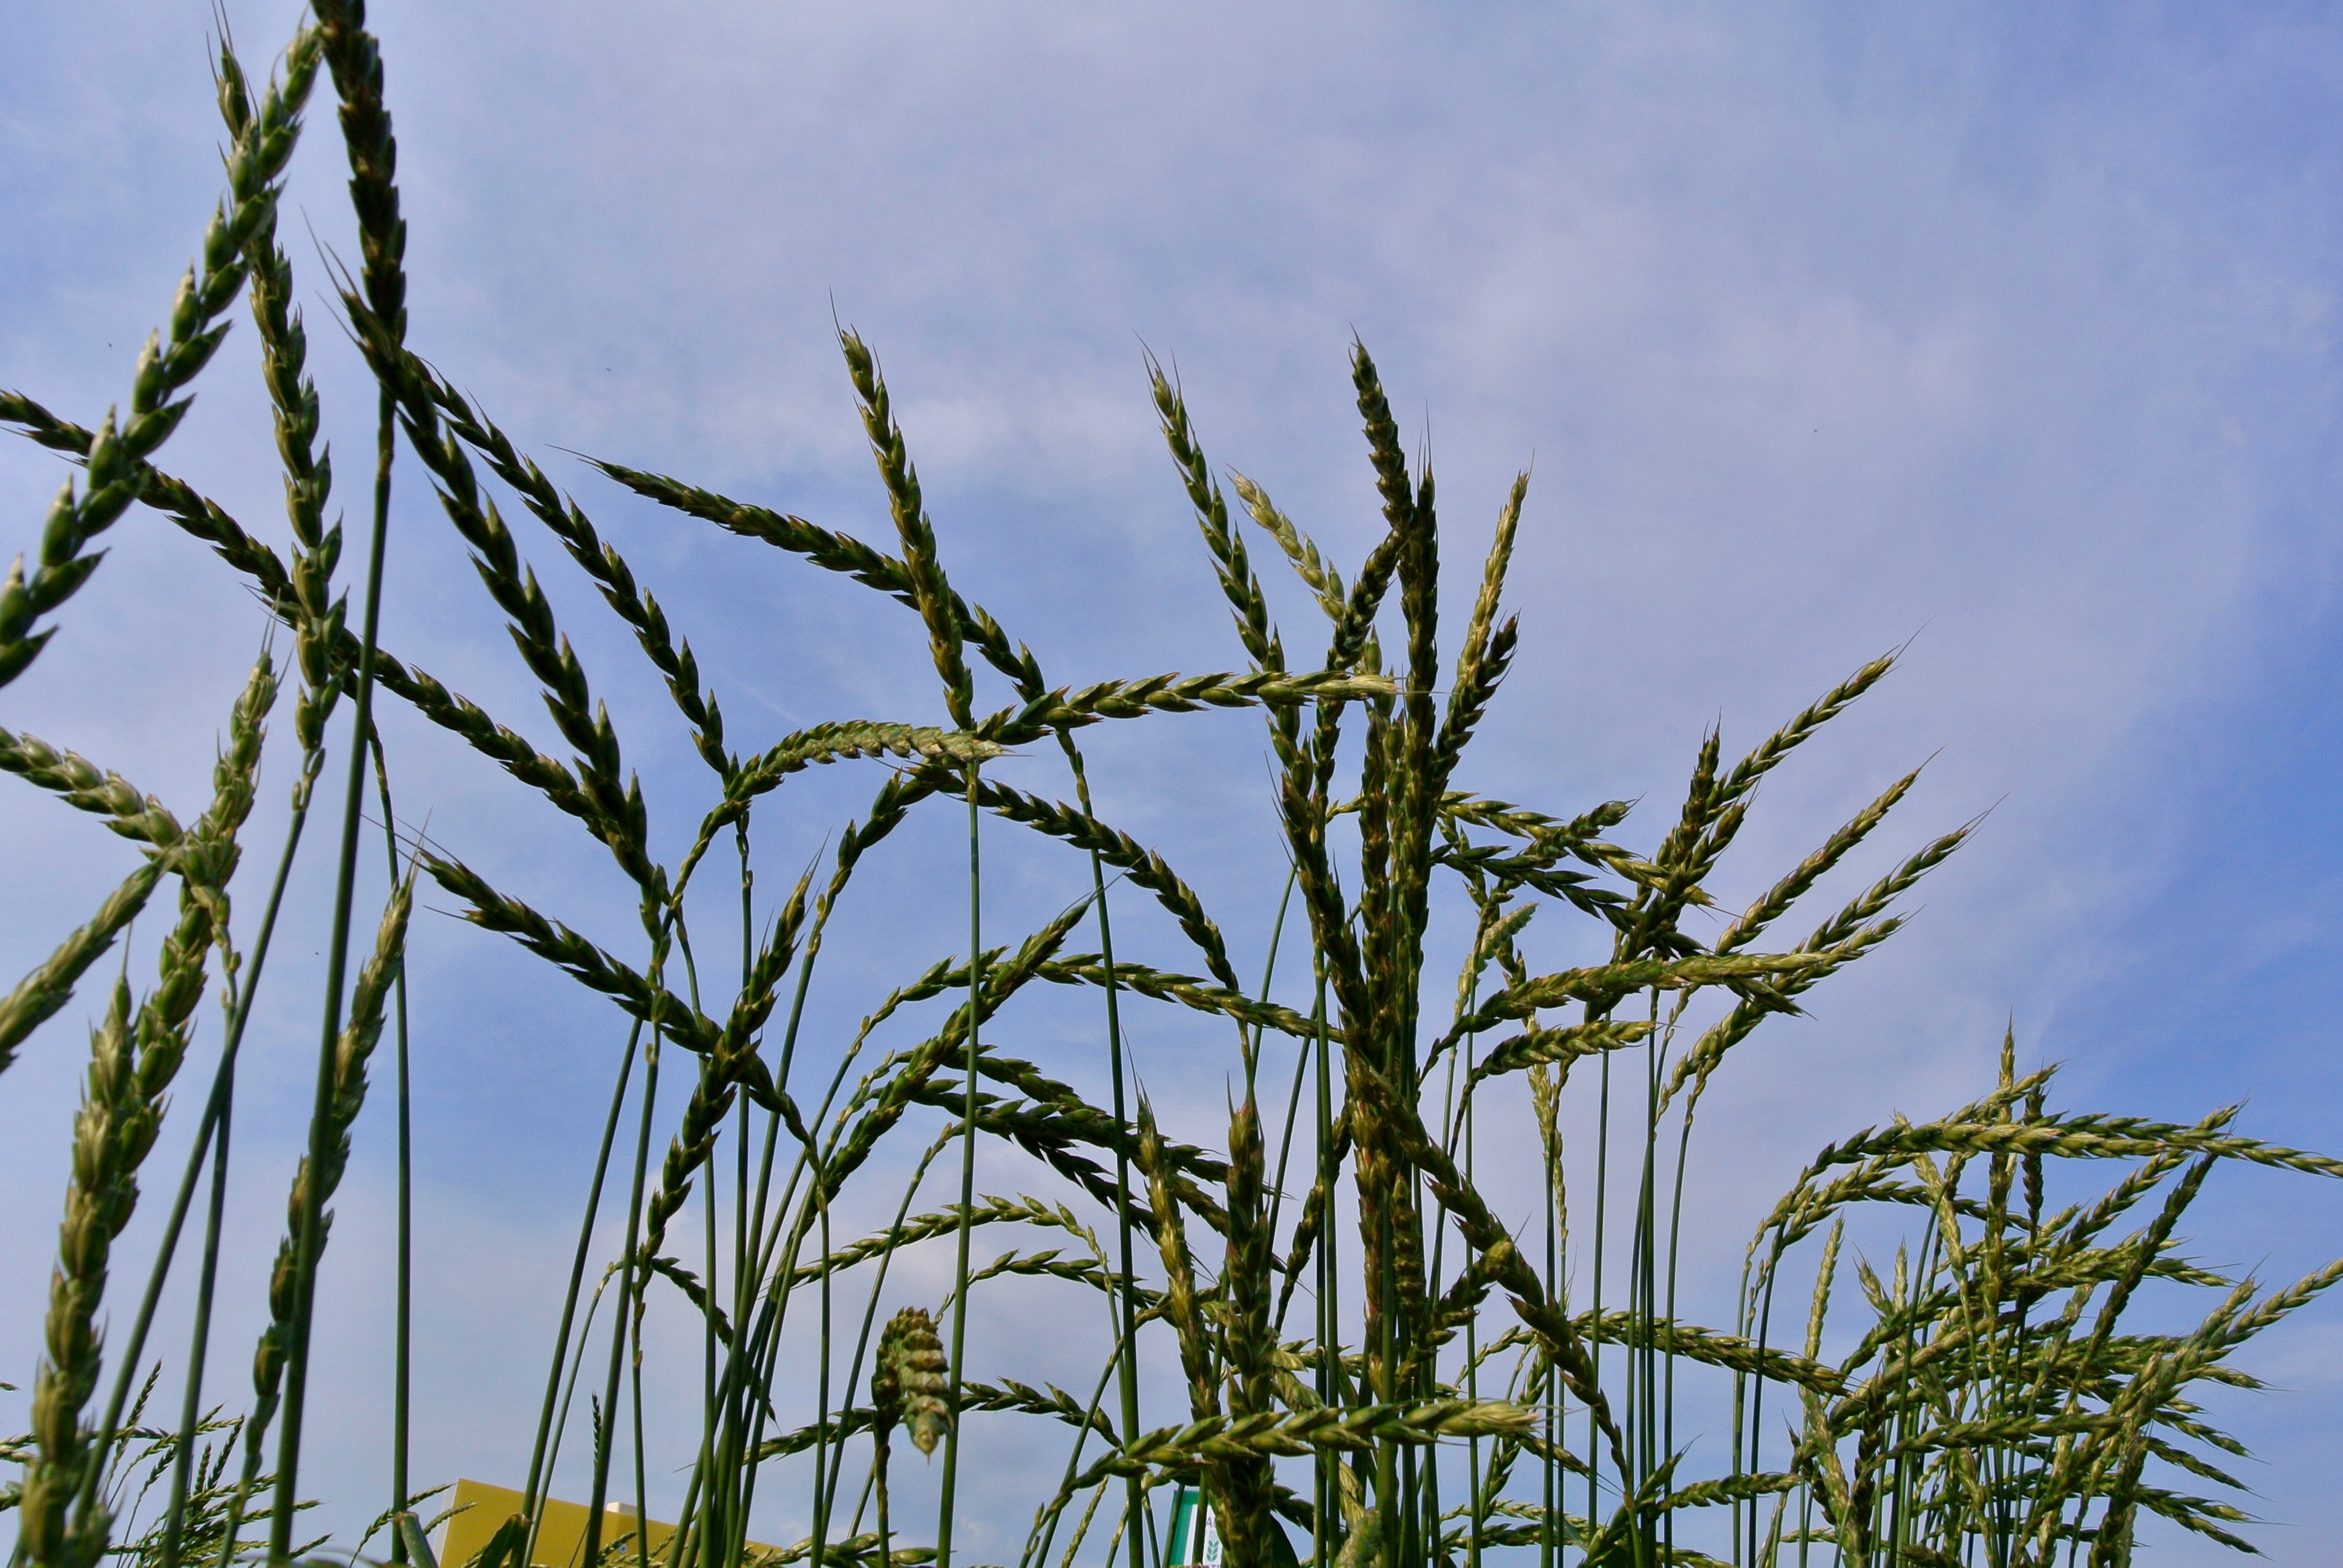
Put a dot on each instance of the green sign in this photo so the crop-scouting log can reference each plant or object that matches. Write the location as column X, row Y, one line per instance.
column 1195, row 1534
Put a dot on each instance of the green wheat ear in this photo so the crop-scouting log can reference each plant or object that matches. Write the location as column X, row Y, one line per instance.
column 907, row 1384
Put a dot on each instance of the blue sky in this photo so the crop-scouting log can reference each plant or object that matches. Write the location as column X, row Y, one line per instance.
column 2012, row 335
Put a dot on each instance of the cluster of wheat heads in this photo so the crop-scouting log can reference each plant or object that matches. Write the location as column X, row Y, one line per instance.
column 1384, row 1356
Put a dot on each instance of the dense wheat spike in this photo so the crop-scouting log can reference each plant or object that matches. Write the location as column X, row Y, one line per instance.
column 907, row 1384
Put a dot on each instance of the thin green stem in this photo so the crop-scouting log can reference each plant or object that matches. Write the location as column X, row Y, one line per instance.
column 1595, row 1304
column 1127, row 1348
column 531, row 1498
column 1328, row 1348
column 183, row 1460
column 322, row 1131
column 218, row 1114
column 635, row 1409
column 821, row 1393
column 217, row 1111
column 403, row 1285
column 949, row 1485
column 1471, row 1347
column 630, row 1277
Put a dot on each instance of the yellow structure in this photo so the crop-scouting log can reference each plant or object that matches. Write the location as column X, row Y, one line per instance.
column 482, row 1510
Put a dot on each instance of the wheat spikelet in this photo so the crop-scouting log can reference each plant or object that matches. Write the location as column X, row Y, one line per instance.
column 316, row 614
column 117, row 456
column 1488, row 648
column 907, row 1382
column 1326, row 584
column 889, row 1094
column 1008, row 1396
column 584, row 961
column 314, row 1182
column 39, row 995
column 923, row 572
column 2085, row 1137
column 600, row 561
column 1356, row 1430
column 82, row 784
column 1238, row 584
column 133, row 1061
column 1119, row 850
column 356, row 62
column 110, row 1134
